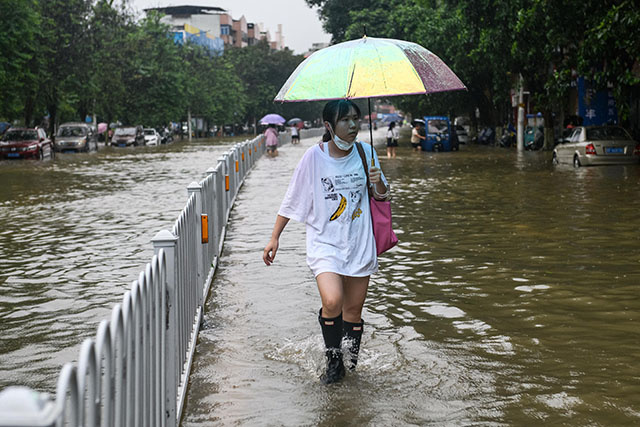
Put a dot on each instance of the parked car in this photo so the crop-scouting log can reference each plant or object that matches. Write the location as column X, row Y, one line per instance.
column 438, row 133
column 597, row 145
column 463, row 121
column 151, row 137
column 463, row 136
column 75, row 137
column 125, row 136
column 26, row 143
column 563, row 136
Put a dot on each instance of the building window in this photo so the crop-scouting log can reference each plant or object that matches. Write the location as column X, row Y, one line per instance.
column 225, row 30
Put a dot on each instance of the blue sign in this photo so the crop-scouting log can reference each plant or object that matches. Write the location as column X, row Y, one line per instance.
column 596, row 107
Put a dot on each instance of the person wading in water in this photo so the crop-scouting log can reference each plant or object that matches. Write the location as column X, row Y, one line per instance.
column 328, row 192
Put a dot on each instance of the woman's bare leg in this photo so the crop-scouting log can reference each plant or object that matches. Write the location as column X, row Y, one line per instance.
column 330, row 286
column 355, row 292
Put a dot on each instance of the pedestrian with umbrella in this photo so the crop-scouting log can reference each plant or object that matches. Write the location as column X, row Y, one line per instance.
column 271, row 133
column 329, row 190
column 295, row 124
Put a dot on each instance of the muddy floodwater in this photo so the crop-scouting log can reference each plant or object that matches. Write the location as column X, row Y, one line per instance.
column 511, row 299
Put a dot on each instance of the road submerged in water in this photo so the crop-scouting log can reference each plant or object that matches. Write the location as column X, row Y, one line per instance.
column 511, row 298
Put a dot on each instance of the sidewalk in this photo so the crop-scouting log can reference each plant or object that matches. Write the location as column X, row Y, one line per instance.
column 256, row 312
column 260, row 346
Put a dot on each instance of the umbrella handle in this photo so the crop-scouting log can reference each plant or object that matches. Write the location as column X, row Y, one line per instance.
column 373, row 163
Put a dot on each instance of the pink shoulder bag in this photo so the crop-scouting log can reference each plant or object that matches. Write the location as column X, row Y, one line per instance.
column 380, row 214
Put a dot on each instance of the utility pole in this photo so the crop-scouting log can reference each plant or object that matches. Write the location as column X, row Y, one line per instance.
column 520, row 127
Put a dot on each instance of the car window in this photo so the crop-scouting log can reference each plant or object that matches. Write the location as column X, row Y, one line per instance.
column 72, row 131
column 606, row 133
column 125, row 131
column 149, row 132
column 437, row 126
column 20, row 135
column 575, row 136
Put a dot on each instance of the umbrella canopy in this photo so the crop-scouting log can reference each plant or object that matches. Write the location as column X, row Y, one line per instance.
column 368, row 67
column 102, row 127
column 417, row 121
column 272, row 119
column 294, row 121
column 388, row 118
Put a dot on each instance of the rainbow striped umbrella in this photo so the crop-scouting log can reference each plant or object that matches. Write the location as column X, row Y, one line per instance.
column 367, row 68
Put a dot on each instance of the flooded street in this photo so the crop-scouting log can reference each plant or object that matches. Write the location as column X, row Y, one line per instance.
column 511, row 299
column 74, row 234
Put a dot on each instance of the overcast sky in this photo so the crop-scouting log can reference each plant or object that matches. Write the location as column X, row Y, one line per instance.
column 301, row 26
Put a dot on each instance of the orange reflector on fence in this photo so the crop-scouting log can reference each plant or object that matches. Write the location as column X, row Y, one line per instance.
column 237, row 166
column 255, row 149
column 243, row 156
column 226, row 182
column 205, row 228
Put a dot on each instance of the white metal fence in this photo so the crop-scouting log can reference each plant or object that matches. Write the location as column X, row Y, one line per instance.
column 136, row 370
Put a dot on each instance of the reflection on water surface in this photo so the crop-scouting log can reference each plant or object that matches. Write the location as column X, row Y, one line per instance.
column 511, row 298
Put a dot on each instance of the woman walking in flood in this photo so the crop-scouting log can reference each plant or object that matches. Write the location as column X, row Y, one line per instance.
column 328, row 192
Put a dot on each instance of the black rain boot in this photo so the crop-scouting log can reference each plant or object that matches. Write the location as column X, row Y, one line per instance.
column 352, row 333
column 332, row 334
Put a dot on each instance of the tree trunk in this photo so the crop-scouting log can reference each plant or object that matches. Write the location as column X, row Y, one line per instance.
column 53, row 116
column 29, row 106
column 548, row 129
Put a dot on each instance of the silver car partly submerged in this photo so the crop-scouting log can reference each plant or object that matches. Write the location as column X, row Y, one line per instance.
column 75, row 137
column 597, row 145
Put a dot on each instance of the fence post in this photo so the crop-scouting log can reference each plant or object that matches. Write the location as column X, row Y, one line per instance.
column 214, row 222
column 166, row 241
column 225, row 186
column 195, row 188
column 236, row 166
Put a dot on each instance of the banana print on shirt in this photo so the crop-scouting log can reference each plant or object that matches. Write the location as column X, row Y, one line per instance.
column 343, row 196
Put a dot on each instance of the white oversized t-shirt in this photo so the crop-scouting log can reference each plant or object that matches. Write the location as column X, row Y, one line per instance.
column 329, row 195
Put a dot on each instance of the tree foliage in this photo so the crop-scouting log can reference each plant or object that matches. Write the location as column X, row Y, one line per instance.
column 263, row 72
column 18, row 21
column 490, row 43
column 67, row 59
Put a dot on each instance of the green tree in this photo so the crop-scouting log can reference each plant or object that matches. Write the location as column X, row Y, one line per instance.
column 19, row 22
column 263, row 72
column 545, row 48
column 62, row 43
column 610, row 54
column 212, row 88
column 154, row 77
column 106, row 88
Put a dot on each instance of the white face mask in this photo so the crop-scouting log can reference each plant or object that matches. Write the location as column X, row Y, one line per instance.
column 341, row 143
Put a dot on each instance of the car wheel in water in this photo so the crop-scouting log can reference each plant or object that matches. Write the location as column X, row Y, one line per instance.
column 576, row 161
column 554, row 159
column 436, row 148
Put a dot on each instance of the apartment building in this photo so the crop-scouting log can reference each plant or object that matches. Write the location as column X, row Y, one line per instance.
column 214, row 23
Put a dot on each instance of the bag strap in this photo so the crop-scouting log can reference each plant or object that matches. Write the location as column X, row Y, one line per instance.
column 364, row 164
